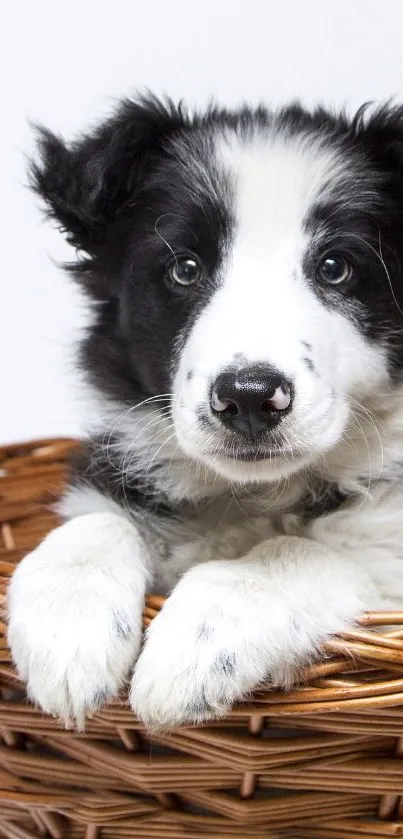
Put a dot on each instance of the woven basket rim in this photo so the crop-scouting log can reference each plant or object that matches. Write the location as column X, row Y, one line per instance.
column 361, row 669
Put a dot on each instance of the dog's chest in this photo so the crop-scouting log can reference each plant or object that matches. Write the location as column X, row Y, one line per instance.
column 229, row 526
column 226, row 528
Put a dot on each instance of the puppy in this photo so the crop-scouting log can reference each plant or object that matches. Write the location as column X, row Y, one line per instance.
column 244, row 362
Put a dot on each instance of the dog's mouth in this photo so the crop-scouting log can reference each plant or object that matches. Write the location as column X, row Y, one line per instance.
column 244, row 463
column 252, row 455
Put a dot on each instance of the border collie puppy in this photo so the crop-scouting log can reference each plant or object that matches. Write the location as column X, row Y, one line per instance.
column 245, row 362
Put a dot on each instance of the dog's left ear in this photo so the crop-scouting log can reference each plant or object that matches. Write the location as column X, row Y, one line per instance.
column 87, row 184
column 381, row 134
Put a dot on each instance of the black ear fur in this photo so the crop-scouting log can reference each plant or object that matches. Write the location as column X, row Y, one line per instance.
column 86, row 185
column 381, row 133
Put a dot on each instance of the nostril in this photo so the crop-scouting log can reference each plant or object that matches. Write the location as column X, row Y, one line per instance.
column 231, row 408
column 280, row 400
column 223, row 405
column 266, row 406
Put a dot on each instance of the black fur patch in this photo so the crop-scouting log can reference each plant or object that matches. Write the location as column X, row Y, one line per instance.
column 101, row 696
column 324, row 498
column 224, row 665
column 199, row 708
column 360, row 217
column 123, row 627
column 310, row 365
column 205, row 632
column 130, row 195
column 92, row 466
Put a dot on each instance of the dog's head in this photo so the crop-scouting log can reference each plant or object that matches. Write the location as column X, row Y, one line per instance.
column 247, row 267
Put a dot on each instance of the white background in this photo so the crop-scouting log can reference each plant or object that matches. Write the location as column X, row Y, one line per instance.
column 64, row 64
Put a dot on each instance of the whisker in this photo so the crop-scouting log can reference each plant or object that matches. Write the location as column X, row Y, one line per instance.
column 106, row 445
column 170, row 248
column 370, row 417
column 164, row 443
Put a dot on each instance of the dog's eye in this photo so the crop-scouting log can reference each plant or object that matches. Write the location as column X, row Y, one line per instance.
column 335, row 269
column 184, row 270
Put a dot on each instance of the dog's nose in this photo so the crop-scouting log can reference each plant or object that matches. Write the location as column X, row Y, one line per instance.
column 251, row 400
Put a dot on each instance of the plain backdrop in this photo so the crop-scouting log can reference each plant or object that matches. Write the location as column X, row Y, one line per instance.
column 64, row 64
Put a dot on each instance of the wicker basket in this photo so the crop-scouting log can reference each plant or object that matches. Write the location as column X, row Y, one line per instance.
column 324, row 761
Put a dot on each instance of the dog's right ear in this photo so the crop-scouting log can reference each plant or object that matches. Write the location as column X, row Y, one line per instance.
column 87, row 184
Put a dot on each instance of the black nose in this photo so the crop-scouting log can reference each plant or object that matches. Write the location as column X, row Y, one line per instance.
column 251, row 400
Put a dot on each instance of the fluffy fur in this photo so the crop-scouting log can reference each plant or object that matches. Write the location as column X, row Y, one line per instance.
column 273, row 525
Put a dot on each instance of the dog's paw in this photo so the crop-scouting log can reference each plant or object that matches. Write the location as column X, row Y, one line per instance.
column 230, row 627
column 208, row 648
column 75, row 607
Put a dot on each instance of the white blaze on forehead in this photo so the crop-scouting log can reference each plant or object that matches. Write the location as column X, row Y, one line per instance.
column 263, row 308
column 277, row 180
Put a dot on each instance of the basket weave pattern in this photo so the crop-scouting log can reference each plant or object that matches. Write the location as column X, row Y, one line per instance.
column 323, row 762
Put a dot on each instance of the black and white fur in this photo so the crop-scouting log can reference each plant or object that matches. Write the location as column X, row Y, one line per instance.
column 266, row 542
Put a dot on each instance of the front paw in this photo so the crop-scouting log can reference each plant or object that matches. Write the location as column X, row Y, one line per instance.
column 75, row 618
column 203, row 653
column 230, row 627
column 182, row 680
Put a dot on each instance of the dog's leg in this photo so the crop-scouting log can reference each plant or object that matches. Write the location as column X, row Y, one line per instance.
column 231, row 625
column 75, row 613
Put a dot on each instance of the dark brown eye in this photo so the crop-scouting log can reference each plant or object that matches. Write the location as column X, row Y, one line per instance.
column 184, row 270
column 335, row 269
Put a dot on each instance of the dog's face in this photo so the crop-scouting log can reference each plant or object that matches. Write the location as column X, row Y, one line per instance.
column 246, row 264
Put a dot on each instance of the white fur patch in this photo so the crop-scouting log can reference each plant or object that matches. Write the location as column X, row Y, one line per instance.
column 255, row 620
column 75, row 613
